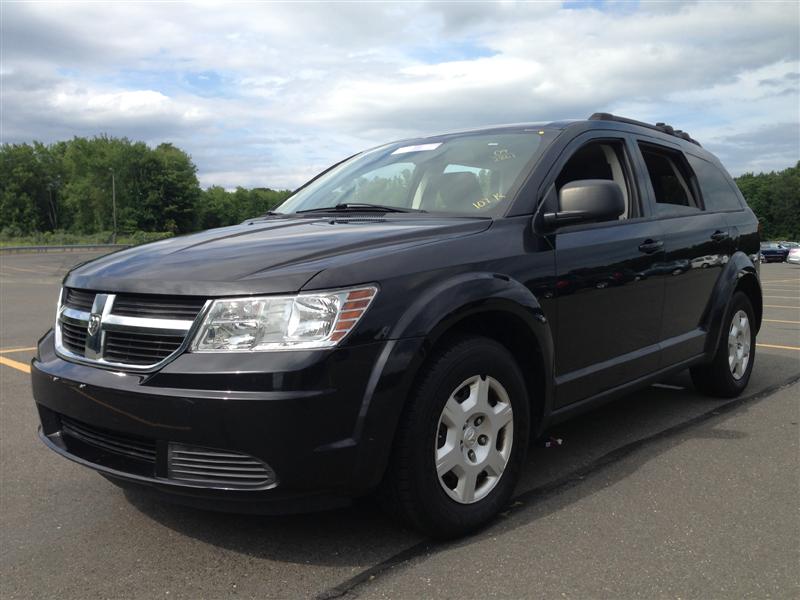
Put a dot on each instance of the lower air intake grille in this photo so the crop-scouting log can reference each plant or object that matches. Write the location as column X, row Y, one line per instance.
column 222, row 469
column 131, row 447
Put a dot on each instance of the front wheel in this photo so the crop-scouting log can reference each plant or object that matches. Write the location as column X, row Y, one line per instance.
column 728, row 374
column 462, row 440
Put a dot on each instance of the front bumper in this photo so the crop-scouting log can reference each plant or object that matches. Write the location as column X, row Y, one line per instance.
column 311, row 416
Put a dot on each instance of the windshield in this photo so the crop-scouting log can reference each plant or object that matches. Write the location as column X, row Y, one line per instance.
column 465, row 174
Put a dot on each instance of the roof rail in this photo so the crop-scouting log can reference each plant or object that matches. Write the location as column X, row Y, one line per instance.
column 662, row 127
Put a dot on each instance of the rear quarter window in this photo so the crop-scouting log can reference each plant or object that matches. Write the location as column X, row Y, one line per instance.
column 718, row 191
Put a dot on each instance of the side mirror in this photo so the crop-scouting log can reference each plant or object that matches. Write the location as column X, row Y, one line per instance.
column 587, row 200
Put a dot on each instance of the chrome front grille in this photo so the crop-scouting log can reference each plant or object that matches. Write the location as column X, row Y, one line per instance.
column 175, row 307
column 78, row 299
column 221, row 469
column 139, row 348
column 134, row 331
column 73, row 337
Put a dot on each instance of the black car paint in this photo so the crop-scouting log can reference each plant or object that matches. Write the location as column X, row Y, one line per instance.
column 595, row 309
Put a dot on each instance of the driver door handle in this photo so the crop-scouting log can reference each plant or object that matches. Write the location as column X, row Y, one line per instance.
column 649, row 246
column 720, row 235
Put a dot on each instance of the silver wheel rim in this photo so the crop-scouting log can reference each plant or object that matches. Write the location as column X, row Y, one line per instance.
column 739, row 345
column 473, row 440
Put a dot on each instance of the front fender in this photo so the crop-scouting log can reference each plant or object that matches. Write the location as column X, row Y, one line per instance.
column 739, row 267
column 410, row 342
column 468, row 296
column 453, row 298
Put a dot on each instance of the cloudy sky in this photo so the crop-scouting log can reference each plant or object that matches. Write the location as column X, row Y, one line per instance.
column 267, row 94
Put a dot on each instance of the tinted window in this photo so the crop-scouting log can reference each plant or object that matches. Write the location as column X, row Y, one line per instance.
column 601, row 160
column 470, row 173
column 715, row 186
column 670, row 177
column 389, row 183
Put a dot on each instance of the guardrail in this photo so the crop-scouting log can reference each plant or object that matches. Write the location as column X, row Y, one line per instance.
column 64, row 248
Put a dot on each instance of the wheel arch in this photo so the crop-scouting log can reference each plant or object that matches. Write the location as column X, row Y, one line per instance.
column 739, row 274
column 497, row 307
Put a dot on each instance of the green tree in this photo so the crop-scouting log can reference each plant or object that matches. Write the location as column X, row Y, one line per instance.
column 775, row 199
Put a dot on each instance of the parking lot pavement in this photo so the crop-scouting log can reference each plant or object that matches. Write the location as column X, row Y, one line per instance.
column 663, row 493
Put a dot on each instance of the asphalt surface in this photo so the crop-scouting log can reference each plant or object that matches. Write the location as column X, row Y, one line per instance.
column 664, row 493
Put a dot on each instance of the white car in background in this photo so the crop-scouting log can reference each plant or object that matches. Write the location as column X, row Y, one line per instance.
column 794, row 256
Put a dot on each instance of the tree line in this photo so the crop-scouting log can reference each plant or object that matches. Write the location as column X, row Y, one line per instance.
column 63, row 191
column 67, row 188
column 775, row 198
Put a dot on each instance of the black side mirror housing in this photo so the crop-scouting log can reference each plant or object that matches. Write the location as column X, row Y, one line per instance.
column 585, row 201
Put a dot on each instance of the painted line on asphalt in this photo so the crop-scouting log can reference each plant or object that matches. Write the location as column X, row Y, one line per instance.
column 780, row 321
column 777, row 347
column 12, row 350
column 15, row 364
column 779, row 306
column 784, row 297
column 780, row 280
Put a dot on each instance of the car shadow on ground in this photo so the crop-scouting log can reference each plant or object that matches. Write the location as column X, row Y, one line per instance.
column 362, row 536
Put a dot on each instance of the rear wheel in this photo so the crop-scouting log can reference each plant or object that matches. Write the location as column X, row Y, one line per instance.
column 729, row 373
column 462, row 440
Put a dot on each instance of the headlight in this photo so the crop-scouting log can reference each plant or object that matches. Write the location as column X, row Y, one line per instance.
column 308, row 320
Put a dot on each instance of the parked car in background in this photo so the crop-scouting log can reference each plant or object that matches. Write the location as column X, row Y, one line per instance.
column 407, row 322
column 794, row 256
column 773, row 252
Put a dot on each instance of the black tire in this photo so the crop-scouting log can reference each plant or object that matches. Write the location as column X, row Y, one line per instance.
column 411, row 488
column 716, row 378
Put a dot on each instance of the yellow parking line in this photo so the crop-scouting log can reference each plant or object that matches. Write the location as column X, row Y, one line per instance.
column 779, row 306
column 21, row 270
column 778, row 347
column 780, row 321
column 12, row 350
column 768, row 281
column 15, row 364
column 784, row 297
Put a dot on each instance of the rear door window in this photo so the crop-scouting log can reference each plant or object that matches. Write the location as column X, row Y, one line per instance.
column 672, row 179
column 718, row 191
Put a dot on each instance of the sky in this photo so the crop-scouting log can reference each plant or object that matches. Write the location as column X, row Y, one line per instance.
column 269, row 94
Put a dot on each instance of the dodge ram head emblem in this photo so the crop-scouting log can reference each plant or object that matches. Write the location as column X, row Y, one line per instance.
column 94, row 324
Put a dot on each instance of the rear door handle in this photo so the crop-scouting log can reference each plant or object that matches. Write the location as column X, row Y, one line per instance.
column 650, row 246
column 719, row 235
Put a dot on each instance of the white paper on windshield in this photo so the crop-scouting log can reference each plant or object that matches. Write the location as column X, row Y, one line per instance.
column 417, row 148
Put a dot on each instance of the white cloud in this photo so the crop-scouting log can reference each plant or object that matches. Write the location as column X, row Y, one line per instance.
column 264, row 94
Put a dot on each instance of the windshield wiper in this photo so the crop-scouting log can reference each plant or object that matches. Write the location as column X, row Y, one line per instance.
column 362, row 207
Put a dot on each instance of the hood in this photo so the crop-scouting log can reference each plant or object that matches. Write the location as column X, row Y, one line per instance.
column 266, row 256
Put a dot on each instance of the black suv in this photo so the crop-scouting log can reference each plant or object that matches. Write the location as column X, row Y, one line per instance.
column 407, row 322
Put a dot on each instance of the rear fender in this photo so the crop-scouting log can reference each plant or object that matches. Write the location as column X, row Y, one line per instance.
column 740, row 271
